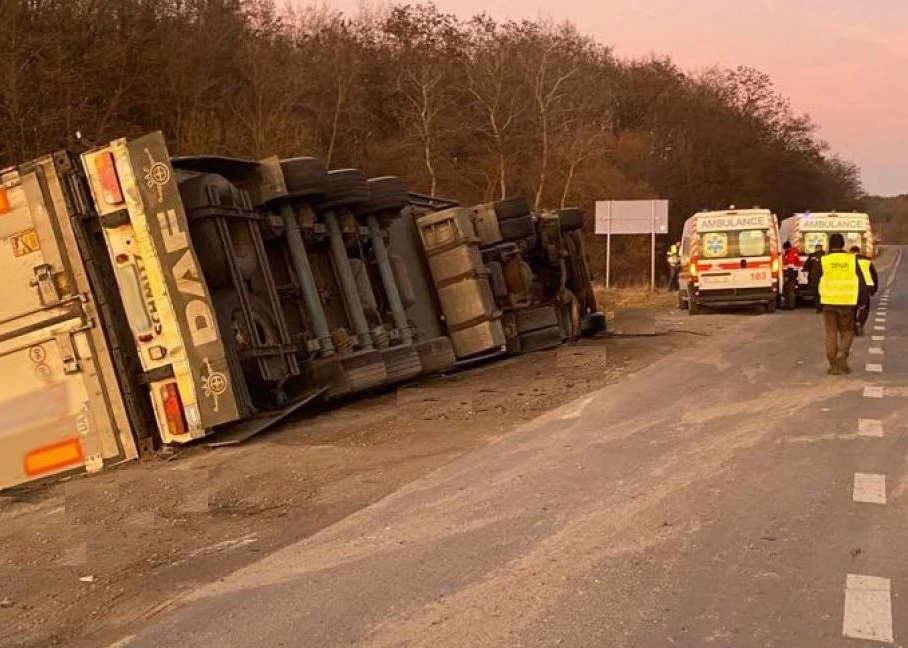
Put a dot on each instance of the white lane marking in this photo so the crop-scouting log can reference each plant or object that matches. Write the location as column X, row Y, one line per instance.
column 873, row 368
column 895, row 269
column 868, row 608
column 879, row 328
column 876, row 351
column 871, row 427
column 872, row 392
column 878, row 338
column 869, row 489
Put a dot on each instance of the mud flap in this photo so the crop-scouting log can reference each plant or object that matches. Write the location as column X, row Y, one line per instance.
column 235, row 433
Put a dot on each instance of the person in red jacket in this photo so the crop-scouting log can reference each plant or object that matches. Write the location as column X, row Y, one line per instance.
column 791, row 264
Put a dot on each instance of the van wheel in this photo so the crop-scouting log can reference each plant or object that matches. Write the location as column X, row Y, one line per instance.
column 693, row 307
column 771, row 306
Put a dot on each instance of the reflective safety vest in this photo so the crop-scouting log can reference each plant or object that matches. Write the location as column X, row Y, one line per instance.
column 864, row 265
column 839, row 284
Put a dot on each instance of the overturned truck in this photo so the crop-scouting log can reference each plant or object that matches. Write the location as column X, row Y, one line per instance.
column 152, row 300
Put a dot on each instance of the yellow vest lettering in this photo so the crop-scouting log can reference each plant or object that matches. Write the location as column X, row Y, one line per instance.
column 864, row 265
column 839, row 284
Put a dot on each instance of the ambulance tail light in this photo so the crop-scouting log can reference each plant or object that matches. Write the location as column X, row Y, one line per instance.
column 173, row 409
column 693, row 268
column 4, row 201
column 111, row 191
column 775, row 263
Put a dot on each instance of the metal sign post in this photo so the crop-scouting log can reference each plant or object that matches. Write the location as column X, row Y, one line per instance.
column 631, row 217
column 608, row 247
column 652, row 260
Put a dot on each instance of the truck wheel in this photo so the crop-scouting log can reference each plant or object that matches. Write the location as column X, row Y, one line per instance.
column 771, row 306
column 386, row 194
column 570, row 219
column 517, row 229
column 533, row 319
column 346, row 188
column 305, row 176
column 546, row 338
column 693, row 307
column 511, row 208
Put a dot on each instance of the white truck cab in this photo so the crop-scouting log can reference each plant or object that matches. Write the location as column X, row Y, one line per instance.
column 730, row 257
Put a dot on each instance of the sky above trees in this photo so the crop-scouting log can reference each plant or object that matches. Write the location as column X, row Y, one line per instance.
column 843, row 62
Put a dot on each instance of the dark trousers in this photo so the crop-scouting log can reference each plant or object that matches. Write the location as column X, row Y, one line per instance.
column 675, row 271
column 839, row 321
column 863, row 309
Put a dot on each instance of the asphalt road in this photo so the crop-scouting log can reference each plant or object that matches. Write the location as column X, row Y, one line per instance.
column 707, row 500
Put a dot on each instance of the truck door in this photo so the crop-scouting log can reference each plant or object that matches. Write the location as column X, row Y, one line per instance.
column 60, row 403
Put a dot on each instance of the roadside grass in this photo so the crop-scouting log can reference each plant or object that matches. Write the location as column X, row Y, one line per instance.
column 633, row 296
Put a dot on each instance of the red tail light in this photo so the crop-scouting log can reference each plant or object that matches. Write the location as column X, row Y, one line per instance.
column 693, row 267
column 107, row 176
column 775, row 262
column 173, row 409
column 4, row 201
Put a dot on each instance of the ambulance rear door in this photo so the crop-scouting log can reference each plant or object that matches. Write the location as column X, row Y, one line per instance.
column 60, row 401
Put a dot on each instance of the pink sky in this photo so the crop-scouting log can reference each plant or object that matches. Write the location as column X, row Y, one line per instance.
column 845, row 62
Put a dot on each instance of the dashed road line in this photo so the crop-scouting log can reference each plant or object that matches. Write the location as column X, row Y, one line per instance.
column 870, row 427
column 876, row 351
column 873, row 368
column 868, row 608
column 878, row 338
column 879, row 328
column 869, row 489
column 872, row 392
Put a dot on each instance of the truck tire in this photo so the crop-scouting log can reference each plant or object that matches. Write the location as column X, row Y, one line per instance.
column 570, row 219
column 533, row 319
column 346, row 188
column 546, row 338
column 305, row 177
column 517, row 229
column 511, row 208
column 693, row 307
column 386, row 194
column 771, row 306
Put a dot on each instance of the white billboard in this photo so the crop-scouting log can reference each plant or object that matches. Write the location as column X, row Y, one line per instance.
column 632, row 217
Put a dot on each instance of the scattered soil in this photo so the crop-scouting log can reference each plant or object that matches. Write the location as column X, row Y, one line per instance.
column 85, row 560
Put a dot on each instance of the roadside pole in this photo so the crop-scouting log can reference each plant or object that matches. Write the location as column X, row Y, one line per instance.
column 653, row 248
column 608, row 246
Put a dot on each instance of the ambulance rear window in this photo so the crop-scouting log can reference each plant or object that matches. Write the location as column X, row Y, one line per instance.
column 812, row 239
column 743, row 243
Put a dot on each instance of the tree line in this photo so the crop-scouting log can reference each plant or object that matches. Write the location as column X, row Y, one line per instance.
column 475, row 109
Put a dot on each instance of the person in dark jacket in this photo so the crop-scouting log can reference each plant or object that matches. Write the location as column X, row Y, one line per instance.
column 812, row 267
column 839, row 284
column 871, row 281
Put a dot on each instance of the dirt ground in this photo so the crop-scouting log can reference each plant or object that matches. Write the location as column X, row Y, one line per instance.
column 84, row 560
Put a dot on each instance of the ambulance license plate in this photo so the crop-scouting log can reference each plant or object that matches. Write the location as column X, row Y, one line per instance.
column 715, row 280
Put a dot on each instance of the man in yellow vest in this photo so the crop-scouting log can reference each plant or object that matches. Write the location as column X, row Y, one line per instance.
column 840, row 284
column 872, row 281
column 674, row 266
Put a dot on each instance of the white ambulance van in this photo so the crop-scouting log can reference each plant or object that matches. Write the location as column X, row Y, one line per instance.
column 807, row 230
column 730, row 257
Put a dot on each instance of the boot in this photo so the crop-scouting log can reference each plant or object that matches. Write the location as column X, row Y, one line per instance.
column 859, row 330
column 833, row 369
column 842, row 365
